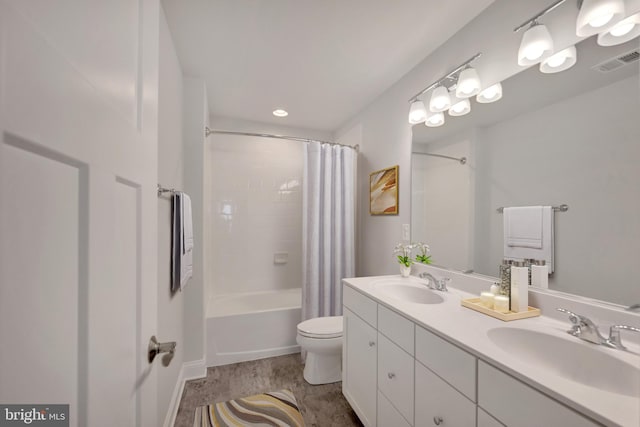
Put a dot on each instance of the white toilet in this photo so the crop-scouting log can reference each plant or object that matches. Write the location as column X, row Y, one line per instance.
column 321, row 337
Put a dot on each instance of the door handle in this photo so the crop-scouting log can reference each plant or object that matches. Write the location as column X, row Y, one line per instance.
column 156, row 348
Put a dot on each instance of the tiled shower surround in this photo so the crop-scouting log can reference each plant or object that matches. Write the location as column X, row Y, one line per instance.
column 256, row 205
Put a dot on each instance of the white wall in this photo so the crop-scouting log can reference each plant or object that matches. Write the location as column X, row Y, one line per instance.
column 546, row 157
column 170, row 168
column 195, row 119
column 255, row 202
column 442, row 200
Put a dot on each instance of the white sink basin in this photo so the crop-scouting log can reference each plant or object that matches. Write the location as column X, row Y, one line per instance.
column 407, row 290
column 570, row 358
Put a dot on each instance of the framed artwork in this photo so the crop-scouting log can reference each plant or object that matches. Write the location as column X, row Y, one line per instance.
column 383, row 191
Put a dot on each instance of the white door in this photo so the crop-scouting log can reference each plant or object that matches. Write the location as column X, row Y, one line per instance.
column 78, row 132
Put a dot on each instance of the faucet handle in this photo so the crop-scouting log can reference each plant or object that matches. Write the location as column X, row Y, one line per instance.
column 614, row 335
column 443, row 283
column 573, row 317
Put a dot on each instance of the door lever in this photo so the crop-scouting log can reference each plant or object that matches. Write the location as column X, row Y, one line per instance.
column 156, row 348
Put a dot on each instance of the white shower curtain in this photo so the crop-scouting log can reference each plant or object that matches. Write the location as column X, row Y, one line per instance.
column 328, row 227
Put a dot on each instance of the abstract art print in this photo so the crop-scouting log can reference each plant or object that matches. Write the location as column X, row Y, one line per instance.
column 383, row 191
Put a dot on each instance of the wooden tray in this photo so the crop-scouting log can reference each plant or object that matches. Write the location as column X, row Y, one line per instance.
column 474, row 304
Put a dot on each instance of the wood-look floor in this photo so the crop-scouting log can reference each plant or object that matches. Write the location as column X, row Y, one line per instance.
column 320, row 405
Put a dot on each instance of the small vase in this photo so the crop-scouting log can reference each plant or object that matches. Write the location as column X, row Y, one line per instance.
column 404, row 270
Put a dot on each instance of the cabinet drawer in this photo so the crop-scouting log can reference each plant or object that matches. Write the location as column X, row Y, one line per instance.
column 395, row 376
column 437, row 399
column 396, row 328
column 361, row 305
column 455, row 366
column 388, row 416
column 486, row 420
column 514, row 403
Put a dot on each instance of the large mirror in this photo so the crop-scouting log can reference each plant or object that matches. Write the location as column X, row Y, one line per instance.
column 568, row 138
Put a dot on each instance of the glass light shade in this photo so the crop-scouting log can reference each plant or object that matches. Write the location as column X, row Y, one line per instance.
column 417, row 112
column 440, row 99
column 536, row 45
column 468, row 83
column 623, row 31
column 597, row 16
column 560, row 61
column 460, row 108
column 434, row 119
column 490, row 94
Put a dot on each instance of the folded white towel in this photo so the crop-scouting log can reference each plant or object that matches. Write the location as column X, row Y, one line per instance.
column 523, row 226
column 524, row 245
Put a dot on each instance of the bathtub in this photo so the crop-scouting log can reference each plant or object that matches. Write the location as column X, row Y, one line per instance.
column 250, row 326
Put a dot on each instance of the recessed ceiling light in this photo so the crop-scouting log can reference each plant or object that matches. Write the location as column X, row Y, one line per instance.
column 280, row 113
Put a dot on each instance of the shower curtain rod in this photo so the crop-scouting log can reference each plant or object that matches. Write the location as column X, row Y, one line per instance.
column 208, row 132
column 462, row 160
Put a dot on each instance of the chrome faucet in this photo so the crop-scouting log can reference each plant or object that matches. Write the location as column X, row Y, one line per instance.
column 433, row 283
column 633, row 307
column 584, row 328
column 614, row 335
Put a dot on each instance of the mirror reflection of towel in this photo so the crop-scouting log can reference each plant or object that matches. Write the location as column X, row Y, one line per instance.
column 529, row 233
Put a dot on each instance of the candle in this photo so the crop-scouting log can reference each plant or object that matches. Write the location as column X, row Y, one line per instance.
column 486, row 299
column 501, row 303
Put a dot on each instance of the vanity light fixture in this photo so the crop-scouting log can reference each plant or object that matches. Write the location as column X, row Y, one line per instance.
column 459, row 107
column 490, row 94
column 280, row 113
column 536, row 44
column 417, row 112
column 597, row 16
column 434, row 119
column 560, row 61
column 468, row 83
column 440, row 100
column 623, row 31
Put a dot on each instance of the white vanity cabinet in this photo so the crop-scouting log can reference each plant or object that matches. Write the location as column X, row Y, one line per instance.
column 516, row 404
column 398, row 374
column 360, row 355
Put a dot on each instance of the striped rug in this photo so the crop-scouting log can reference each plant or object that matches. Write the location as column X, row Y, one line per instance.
column 268, row 409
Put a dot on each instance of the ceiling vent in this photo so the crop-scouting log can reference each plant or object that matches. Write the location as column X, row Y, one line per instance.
column 618, row 62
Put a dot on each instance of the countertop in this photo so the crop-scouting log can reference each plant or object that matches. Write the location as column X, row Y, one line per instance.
column 468, row 329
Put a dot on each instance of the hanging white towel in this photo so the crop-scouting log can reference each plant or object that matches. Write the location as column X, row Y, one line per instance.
column 186, row 262
column 523, row 227
column 528, row 233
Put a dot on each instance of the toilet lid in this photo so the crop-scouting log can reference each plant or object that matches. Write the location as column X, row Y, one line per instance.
column 321, row 327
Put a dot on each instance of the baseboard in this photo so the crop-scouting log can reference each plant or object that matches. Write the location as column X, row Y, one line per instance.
column 188, row 371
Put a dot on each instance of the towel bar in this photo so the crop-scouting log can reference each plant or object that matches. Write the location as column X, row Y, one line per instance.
column 561, row 208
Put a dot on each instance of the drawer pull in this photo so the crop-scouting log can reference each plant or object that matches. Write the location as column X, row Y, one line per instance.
column 372, row 343
column 437, row 420
column 391, row 375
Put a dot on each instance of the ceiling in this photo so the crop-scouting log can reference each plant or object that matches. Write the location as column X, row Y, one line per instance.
column 321, row 60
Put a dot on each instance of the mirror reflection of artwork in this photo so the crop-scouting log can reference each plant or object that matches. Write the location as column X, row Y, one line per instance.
column 383, row 192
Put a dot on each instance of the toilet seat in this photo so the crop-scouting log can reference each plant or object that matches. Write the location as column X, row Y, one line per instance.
column 321, row 327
